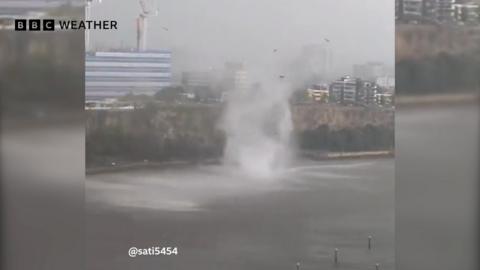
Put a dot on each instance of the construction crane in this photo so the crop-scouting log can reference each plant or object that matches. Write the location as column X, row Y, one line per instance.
column 145, row 12
column 88, row 7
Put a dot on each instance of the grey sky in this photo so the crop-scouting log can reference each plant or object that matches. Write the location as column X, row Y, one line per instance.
column 206, row 33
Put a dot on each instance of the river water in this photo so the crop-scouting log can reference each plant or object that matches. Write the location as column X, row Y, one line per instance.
column 221, row 219
column 228, row 223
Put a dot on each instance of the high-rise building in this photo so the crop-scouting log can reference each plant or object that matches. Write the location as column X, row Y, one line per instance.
column 369, row 71
column 200, row 84
column 235, row 76
column 398, row 9
column 467, row 12
column 316, row 62
column 366, row 92
column 435, row 11
column 412, row 9
column 349, row 90
column 429, row 11
column 193, row 80
column 386, row 82
column 385, row 99
column 319, row 93
column 115, row 74
column 344, row 90
column 445, row 10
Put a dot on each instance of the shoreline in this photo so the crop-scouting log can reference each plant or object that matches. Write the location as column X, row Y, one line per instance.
column 311, row 155
column 403, row 101
column 320, row 156
column 436, row 99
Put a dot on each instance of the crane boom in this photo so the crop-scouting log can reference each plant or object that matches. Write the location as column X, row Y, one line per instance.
column 145, row 12
column 144, row 7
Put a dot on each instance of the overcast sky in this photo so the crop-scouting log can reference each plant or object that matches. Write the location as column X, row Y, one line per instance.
column 206, row 33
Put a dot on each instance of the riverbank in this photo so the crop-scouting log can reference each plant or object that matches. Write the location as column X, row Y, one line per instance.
column 436, row 99
column 196, row 133
column 146, row 164
column 315, row 155
column 312, row 155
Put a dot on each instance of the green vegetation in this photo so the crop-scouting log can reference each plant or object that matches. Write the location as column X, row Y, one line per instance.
column 157, row 132
column 170, row 94
column 190, row 132
column 367, row 138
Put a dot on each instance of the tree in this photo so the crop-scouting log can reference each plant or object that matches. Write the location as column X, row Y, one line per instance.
column 169, row 93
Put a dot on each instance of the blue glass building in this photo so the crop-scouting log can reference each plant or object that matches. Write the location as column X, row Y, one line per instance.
column 114, row 74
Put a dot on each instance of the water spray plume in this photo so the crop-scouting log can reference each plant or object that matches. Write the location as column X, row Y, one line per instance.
column 259, row 126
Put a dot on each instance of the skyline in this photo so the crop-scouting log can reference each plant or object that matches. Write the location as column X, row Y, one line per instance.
column 199, row 41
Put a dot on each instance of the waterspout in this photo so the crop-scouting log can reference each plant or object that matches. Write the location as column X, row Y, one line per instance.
column 258, row 125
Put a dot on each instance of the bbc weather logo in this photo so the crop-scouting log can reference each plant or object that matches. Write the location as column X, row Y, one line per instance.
column 35, row 25
column 52, row 25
